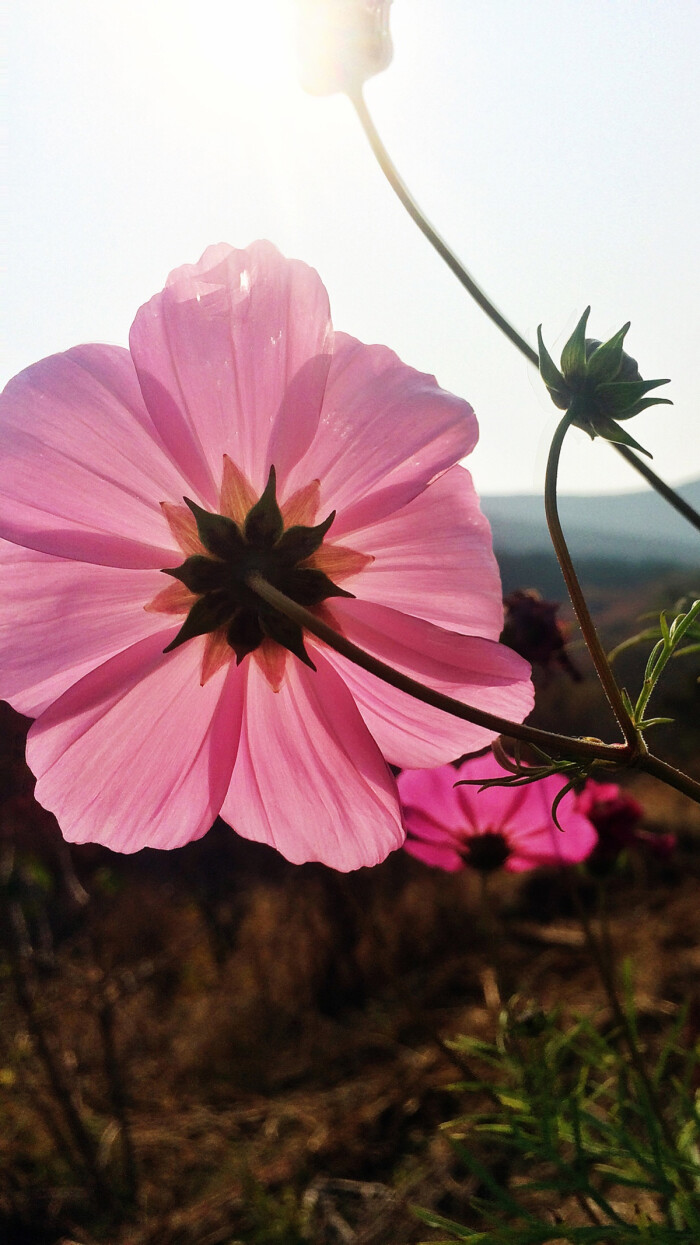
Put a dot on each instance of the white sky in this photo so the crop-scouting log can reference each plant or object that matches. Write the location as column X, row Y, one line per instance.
column 555, row 145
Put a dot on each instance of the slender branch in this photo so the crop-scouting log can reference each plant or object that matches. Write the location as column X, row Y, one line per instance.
column 561, row 744
column 578, row 600
column 417, row 216
column 443, row 250
column 619, row 755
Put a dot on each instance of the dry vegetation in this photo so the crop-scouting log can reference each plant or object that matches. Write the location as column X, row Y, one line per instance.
column 211, row 1046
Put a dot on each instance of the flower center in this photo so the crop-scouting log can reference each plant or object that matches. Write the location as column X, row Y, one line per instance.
column 262, row 545
column 486, row 852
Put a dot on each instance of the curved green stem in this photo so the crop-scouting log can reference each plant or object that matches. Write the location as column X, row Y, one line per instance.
column 404, row 195
column 590, row 635
column 443, row 250
column 619, row 755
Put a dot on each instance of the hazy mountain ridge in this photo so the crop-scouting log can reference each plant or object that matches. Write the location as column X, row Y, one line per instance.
column 637, row 527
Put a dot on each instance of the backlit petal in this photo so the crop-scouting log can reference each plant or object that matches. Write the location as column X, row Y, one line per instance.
column 472, row 670
column 60, row 619
column 82, row 471
column 309, row 780
column 232, row 357
column 385, row 432
column 434, row 559
column 138, row 754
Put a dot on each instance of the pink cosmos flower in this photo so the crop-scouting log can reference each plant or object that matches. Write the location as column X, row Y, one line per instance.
column 139, row 487
column 451, row 827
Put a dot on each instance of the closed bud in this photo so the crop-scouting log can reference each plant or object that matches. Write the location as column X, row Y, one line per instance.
column 598, row 383
column 342, row 43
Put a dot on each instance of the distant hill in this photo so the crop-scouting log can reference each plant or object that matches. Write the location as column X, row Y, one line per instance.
column 630, row 528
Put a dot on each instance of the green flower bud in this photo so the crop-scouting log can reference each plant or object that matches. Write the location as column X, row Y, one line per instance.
column 599, row 383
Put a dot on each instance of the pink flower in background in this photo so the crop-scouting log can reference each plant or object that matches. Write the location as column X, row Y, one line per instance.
column 617, row 818
column 450, row 827
column 165, row 692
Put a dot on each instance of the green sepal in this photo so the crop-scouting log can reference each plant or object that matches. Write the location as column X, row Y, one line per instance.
column 244, row 633
column 605, row 362
column 219, row 534
column 199, row 574
column 287, row 633
column 642, row 406
column 264, row 523
column 308, row 586
column 551, row 375
column 573, row 356
column 207, row 614
column 618, row 397
column 604, row 426
column 298, row 543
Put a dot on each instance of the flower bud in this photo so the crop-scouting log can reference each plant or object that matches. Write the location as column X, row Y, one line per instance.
column 598, row 382
column 531, row 628
column 341, row 43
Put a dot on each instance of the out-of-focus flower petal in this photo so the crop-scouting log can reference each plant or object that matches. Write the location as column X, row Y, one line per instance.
column 473, row 670
column 137, row 754
column 309, row 779
column 228, row 365
column 82, row 471
column 59, row 619
column 437, row 544
column 341, row 43
column 386, row 431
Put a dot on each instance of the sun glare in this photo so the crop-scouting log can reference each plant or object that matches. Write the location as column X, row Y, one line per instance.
column 228, row 55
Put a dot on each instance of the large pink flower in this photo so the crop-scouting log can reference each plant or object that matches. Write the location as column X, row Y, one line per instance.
column 450, row 827
column 163, row 700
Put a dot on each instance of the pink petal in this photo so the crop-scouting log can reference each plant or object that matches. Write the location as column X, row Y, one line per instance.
column 385, row 432
column 309, row 780
column 60, row 619
column 474, row 671
column 437, row 855
column 430, row 794
column 434, row 559
column 535, row 838
column 82, row 471
column 232, row 358
column 138, row 754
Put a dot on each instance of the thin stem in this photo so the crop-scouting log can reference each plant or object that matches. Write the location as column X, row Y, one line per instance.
column 586, row 749
column 443, row 250
column 578, row 600
column 561, row 744
column 417, row 216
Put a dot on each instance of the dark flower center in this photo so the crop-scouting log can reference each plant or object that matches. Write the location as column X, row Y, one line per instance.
column 486, row 852
column 260, row 545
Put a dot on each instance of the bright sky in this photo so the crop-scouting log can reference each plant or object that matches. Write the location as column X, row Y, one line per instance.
column 555, row 145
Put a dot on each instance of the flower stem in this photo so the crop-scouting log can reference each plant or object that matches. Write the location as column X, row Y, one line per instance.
column 443, row 250
column 578, row 600
column 561, row 744
column 417, row 216
column 617, row 755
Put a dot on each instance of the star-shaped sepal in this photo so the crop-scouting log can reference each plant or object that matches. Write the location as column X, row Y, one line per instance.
column 219, row 578
column 599, row 383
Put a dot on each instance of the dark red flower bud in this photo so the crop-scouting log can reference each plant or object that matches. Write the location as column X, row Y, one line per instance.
column 533, row 630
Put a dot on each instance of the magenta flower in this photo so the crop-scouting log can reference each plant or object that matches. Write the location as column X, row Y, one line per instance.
column 510, row 827
column 617, row 818
column 139, row 488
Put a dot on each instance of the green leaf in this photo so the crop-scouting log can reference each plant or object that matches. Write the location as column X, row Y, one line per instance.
column 573, row 356
column 219, row 534
column 619, row 396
